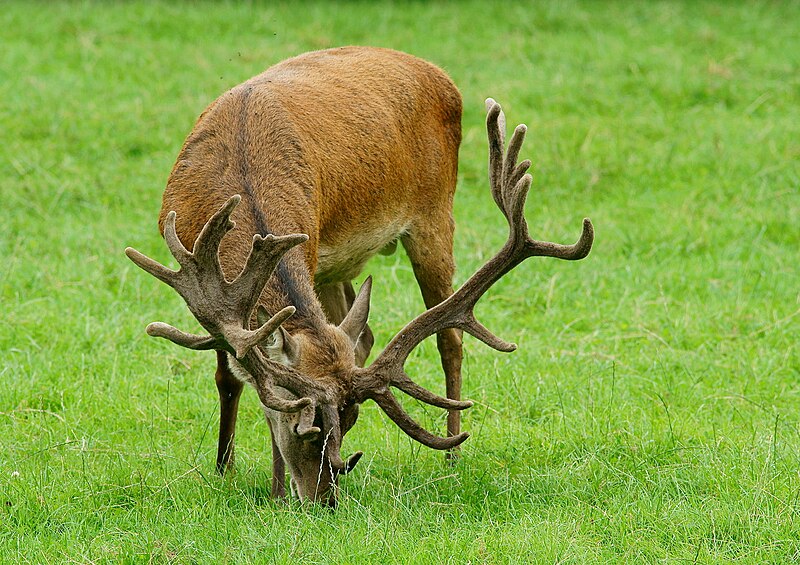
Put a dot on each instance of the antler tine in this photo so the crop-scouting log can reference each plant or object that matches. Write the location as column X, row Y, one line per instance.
column 501, row 117
column 372, row 383
column 206, row 246
column 181, row 254
column 577, row 250
column 404, row 383
column 305, row 427
column 151, row 266
column 392, row 408
column 270, row 399
column 510, row 183
column 178, row 337
column 495, row 124
column 250, row 339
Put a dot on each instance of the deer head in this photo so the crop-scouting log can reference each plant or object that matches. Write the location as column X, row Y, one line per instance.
column 312, row 404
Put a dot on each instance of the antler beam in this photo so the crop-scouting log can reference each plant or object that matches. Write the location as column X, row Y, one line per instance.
column 510, row 183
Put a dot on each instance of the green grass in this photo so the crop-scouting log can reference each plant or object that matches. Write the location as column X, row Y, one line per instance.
column 652, row 411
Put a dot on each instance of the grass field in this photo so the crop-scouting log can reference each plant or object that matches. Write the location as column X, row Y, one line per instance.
column 652, row 411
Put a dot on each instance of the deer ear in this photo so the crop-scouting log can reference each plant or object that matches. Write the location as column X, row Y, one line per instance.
column 280, row 346
column 356, row 319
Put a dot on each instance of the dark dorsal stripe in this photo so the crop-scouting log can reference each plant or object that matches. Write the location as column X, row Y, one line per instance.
column 287, row 283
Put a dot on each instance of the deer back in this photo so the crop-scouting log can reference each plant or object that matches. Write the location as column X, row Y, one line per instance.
column 348, row 146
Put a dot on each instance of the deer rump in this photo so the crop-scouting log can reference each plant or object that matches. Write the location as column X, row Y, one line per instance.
column 320, row 162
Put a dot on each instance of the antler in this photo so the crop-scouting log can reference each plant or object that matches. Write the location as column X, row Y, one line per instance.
column 510, row 183
column 225, row 308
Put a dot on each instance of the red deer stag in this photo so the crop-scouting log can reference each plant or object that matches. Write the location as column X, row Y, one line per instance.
column 344, row 151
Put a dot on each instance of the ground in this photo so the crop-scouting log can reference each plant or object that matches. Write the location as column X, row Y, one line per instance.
column 651, row 411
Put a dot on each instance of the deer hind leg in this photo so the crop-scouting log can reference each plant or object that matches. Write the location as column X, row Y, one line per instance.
column 230, row 389
column 336, row 300
column 430, row 249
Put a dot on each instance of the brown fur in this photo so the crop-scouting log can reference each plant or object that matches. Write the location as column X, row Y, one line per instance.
column 355, row 147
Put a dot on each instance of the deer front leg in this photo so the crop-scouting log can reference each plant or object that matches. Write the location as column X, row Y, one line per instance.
column 450, row 352
column 431, row 255
column 278, row 468
column 230, row 389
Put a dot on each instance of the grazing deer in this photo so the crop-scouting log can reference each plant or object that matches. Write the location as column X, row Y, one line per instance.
column 344, row 151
